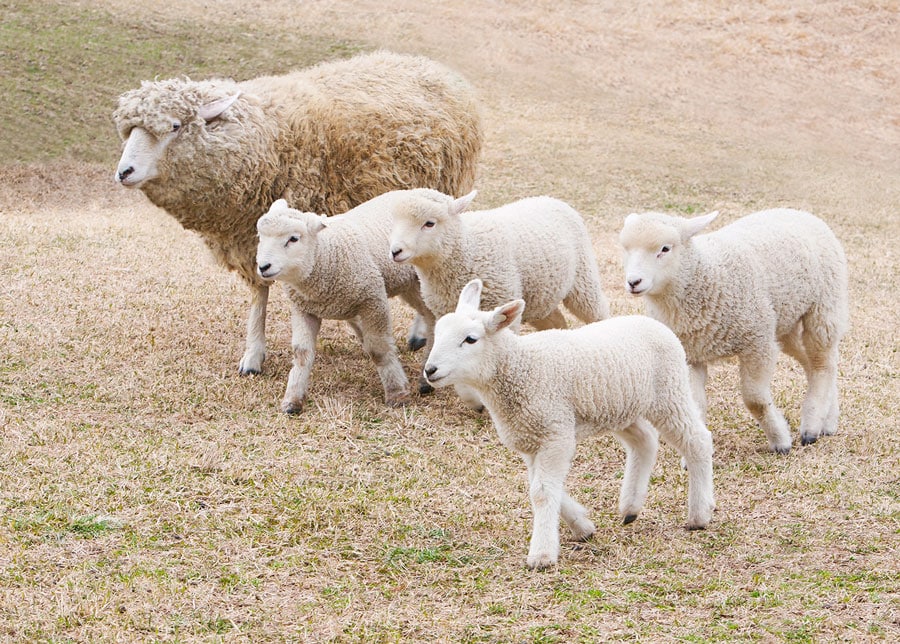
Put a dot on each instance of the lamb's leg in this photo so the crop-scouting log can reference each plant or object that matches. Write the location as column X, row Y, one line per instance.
column 547, row 471
column 575, row 516
column 418, row 334
column 304, row 329
column 378, row 343
column 698, row 386
column 641, row 446
column 555, row 320
column 756, row 376
column 686, row 432
column 255, row 349
column 820, row 407
column 425, row 322
column 586, row 300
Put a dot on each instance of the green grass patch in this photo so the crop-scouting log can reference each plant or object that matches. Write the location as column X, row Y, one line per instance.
column 62, row 67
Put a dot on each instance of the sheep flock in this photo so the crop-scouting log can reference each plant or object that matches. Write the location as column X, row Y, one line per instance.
column 351, row 182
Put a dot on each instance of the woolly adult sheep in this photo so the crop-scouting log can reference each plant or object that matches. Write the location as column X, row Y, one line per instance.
column 215, row 154
column 546, row 391
column 776, row 279
column 338, row 268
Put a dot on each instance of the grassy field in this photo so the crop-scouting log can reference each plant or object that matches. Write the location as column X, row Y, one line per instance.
column 149, row 493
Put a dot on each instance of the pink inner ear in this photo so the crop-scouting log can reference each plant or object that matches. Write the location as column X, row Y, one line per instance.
column 212, row 110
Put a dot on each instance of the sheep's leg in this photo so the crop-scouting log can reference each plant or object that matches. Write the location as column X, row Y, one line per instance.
column 470, row 397
column 378, row 343
column 575, row 516
column 424, row 320
column 304, row 329
column 353, row 323
column 547, row 471
column 255, row 349
column 641, row 446
column 756, row 376
column 686, row 432
column 698, row 386
column 417, row 336
column 586, row 300
column 820, row 407
column 555, row 320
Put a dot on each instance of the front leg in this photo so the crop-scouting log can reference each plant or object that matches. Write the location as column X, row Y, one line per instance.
column 547, row 471
column 304, row 329
column 255, row 349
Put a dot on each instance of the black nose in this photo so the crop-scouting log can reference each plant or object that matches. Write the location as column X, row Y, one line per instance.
column 126, row 172
column 429, row 371
column 634, row 283
column 264, row 267
column 394, row 253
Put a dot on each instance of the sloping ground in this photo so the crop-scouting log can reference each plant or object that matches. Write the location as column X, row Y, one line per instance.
column 149, row 493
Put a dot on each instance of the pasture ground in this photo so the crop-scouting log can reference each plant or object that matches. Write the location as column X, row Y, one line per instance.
column 149, row 493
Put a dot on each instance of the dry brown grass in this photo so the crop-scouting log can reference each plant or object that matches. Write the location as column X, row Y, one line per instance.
column 151, row 494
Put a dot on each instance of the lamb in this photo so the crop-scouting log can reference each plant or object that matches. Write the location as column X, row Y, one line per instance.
column 338, row 268
column 546, row 391
column 775, row 279
column 215, row 154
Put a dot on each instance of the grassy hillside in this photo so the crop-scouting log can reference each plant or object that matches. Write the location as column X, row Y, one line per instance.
column 62, row 67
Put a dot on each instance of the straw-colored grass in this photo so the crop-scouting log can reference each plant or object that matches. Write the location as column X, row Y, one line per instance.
column 149, row 493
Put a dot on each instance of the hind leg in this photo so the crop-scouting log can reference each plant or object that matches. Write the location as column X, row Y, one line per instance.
column 555, row 320
column 820, row 407
column 641, row 446
column 586, row 300
column 756, row 378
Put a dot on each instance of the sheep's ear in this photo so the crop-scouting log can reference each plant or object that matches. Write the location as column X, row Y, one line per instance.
column 280, row 204
column 470, row 298
column 459, row 205
column 213, row 110
column 317, row 224
column 505, row 315
column 696, row 224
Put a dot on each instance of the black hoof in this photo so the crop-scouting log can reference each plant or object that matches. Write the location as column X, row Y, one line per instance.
column 629, row 518
column 415, row 344
column 293, row 410
column 249, row 372
column 692, row 528
column 425, row 388
column 808, row 440
column 782, row 450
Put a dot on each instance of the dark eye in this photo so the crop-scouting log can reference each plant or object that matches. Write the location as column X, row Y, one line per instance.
column 293, row 239
column 665, row 249
column 176, row 126
column 470, row 339
column 428, row 224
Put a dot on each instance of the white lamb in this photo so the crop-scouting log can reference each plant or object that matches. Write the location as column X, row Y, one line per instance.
column 546, row 391
column 338, row 268
column 776, row 279
column 537, row 249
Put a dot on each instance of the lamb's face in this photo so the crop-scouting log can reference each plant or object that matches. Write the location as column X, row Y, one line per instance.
column 417, row 231
column 287, row 241
column 650, row 253
column 460, row 341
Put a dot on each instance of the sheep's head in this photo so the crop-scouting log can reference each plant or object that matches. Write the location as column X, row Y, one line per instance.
column 463, row 340
column 421, row 219
column 151, row 119
column 287, row 242
column 652, row 244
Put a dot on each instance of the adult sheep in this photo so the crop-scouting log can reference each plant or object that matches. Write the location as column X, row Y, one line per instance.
column 772, row 281
column 215, row 154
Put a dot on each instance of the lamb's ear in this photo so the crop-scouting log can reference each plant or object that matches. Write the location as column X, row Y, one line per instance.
column 505, row 315
column 470, row 298
column 279, row 204
column 213, row 110
column 459, row 205
column 694, row 225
